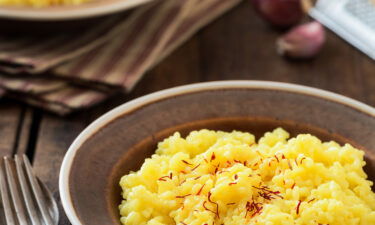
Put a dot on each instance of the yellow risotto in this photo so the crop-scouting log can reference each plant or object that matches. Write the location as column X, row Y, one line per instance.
column 41, row 3
column 214, row 178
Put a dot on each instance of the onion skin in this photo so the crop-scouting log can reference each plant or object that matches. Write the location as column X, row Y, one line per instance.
column 279, row 13
column 302, row 42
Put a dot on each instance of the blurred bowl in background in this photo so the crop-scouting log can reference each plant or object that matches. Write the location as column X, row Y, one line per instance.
column 16, row 19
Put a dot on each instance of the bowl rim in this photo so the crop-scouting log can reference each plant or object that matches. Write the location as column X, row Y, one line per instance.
column 185, row 89
column 67, row 12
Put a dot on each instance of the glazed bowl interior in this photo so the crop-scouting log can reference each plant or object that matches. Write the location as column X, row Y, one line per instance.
column 120, row 141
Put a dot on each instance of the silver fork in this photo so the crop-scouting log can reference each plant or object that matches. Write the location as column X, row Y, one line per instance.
column 25, row 200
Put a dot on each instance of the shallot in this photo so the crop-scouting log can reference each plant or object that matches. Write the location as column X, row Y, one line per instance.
column 280, row 13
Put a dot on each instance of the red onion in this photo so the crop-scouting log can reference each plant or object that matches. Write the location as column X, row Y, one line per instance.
column 280, row 13
column 303, row 41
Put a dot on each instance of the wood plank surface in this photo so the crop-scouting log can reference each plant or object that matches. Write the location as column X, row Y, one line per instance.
column 54, row 138
column 236, row 46
column 11, row 115
column 24, row 140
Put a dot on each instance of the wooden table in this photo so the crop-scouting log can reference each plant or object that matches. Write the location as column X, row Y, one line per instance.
column 236, row 46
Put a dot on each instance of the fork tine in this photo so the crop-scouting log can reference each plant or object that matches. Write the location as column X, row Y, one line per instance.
column 5, row 196
column 18, row 204
column 37, row 192
column 30, row 206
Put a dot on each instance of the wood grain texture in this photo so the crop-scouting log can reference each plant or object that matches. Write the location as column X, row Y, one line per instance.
column 54, row 138
column 24, row 131
column 236, row 46
column 10, row 118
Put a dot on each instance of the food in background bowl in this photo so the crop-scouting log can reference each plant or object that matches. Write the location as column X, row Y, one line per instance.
column 215, row 177
column 41, row 3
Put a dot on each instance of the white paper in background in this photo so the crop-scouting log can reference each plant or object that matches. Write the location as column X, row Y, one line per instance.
column 353, row 20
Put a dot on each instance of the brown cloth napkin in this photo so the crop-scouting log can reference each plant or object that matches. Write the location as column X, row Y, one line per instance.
column 67, row 72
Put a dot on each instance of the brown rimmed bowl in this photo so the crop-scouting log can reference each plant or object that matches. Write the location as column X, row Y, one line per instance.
column 120, row 140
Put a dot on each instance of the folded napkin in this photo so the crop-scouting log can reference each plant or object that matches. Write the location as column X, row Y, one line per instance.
column 66, row 72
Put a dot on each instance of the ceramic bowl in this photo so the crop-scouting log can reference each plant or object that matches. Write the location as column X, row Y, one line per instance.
column 15, row 19
column 119, row 141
